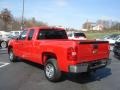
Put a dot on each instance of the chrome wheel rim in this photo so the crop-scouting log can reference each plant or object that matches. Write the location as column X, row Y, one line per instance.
column 3, row 44
column 49, row 69
column 11, row 55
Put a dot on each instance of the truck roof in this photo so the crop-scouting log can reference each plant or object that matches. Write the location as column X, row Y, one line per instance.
column 45, row 27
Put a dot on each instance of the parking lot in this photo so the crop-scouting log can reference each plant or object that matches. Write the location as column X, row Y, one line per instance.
column 25, row 75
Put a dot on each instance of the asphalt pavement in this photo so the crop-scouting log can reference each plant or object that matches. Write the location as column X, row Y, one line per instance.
column 24, row 75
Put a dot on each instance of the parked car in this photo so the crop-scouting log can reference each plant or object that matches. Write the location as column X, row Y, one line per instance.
column 110, row 38
column 6, row 36
column 3, row 39
column 116, row 48
column 15, row 33
column 77, row 36
column 50, row 47
column 102, row 38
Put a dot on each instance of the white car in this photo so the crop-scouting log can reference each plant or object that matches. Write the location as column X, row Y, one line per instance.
column 15, row 33
column 103, row 38
column 77, row 36
column 112, row 38
column 3, row 39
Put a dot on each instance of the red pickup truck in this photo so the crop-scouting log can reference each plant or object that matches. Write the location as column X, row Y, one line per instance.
column 49, row 46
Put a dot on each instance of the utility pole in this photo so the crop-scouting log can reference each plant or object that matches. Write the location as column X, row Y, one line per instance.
column 118, row 26
column 22, row 23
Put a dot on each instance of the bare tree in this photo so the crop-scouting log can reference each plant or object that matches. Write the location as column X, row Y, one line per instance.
column 6, row 16
column 33, row 22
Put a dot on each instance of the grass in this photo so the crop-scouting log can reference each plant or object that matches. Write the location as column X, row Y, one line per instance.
column 94, row 35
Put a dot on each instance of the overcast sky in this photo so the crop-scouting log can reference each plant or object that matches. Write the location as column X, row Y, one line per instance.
column 69, row 13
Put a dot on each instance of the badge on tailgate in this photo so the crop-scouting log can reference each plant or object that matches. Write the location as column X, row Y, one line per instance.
column 95, row 49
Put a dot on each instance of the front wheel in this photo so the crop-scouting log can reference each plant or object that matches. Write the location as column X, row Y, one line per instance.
column 52, row 72
column 12, row 57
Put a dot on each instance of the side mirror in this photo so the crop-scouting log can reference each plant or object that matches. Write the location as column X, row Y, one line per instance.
column 16, row 38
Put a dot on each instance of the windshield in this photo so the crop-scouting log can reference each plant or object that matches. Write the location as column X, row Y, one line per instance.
column 117, row 37
column 113, row 36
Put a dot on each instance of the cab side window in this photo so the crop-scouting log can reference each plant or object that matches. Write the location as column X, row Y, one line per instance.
column 23, row 35
column 30, row 35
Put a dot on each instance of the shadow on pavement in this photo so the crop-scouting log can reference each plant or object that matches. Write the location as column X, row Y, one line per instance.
column 78, row 78
column 91, row 77
column 32, row 64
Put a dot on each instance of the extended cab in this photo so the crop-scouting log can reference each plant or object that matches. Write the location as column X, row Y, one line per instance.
column 49, row 46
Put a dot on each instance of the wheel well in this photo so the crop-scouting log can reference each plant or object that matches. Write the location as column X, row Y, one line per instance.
column 46, row 56
column 9, row 47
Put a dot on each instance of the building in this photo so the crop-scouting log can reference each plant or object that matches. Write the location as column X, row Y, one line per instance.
column 88, row 26
column 98, row 27
column 92, row 26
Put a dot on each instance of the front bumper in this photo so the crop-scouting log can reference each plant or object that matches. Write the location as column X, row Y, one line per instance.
column 85, row 67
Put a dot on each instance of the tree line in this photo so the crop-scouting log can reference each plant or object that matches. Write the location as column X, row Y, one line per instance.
column 8, row 22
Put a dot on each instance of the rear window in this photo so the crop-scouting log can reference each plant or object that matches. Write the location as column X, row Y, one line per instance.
column 52, row 34
column 79, row 34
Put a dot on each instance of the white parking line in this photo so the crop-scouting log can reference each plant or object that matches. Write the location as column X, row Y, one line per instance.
column 3, row 49
column 3, row 64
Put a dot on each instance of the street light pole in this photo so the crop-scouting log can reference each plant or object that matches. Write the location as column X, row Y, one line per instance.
column 22, row 23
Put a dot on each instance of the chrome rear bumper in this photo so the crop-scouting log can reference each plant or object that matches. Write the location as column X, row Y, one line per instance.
column 84, row 67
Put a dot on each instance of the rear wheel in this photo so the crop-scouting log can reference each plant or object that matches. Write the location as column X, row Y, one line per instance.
column 3, row 44
column 52, row 71
column 12, row 57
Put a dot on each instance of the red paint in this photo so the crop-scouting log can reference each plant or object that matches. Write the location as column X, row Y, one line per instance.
column 67, row 52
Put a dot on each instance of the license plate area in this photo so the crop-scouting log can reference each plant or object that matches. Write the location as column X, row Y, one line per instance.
column 97, row 64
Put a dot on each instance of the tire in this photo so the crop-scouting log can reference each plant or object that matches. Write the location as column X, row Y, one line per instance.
column 12, row 57
column 52, row 71
column 3, row 44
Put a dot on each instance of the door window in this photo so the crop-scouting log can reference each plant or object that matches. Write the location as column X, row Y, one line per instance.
column 30, row 35
column 23, row 35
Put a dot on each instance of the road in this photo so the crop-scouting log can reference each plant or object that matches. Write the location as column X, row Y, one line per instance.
column 24, row 75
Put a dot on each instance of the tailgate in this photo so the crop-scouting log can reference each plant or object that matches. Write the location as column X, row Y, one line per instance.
column 92, row 50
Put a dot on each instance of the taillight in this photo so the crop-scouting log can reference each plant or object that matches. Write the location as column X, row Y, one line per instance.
column 72, row 54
